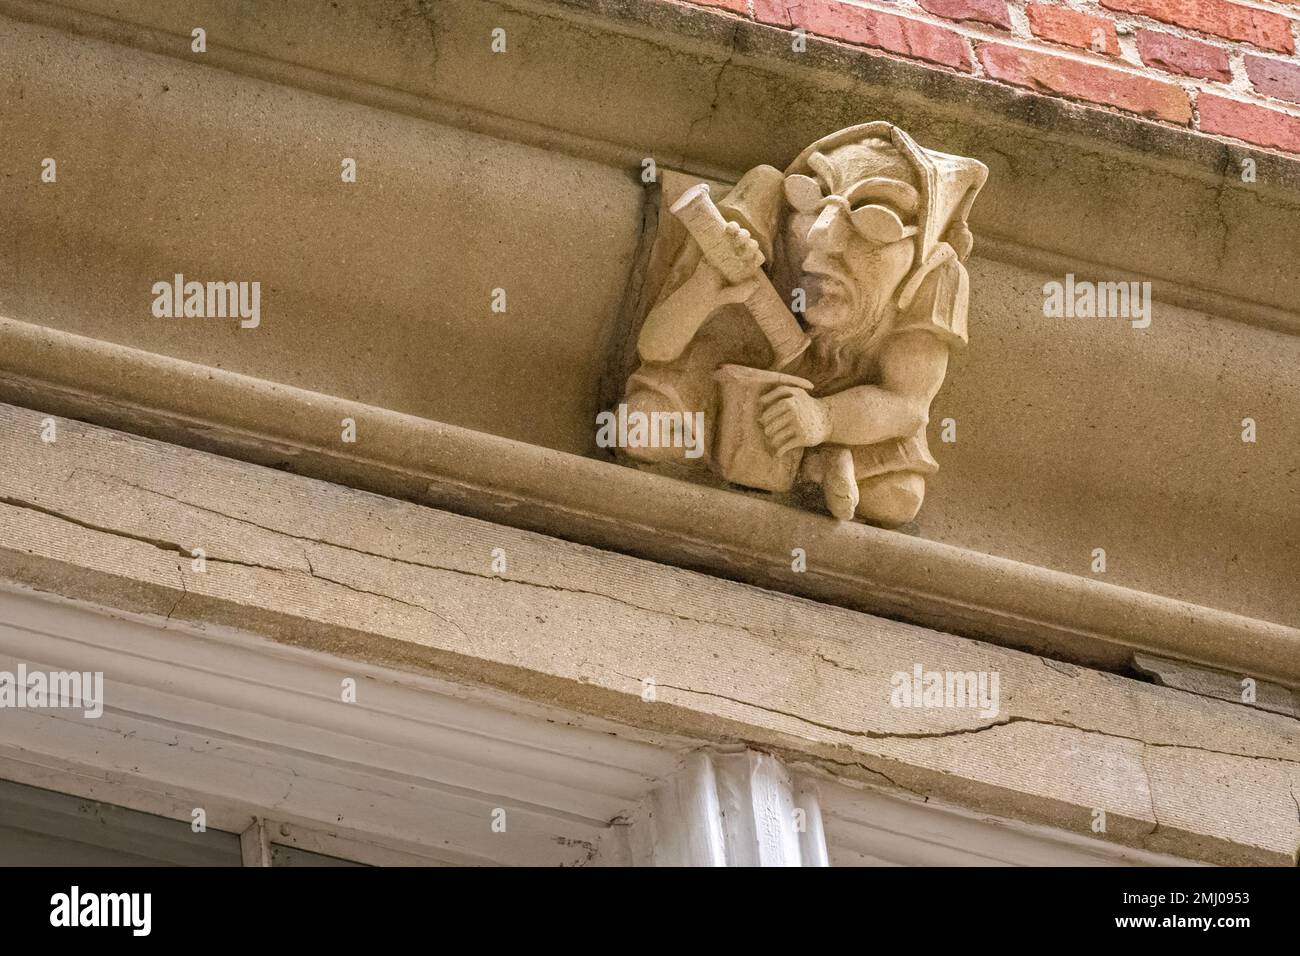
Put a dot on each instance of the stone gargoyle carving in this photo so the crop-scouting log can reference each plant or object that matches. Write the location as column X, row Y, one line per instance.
column 805, row 320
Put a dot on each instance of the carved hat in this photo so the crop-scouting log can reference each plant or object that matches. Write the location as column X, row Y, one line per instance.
column 948, row 185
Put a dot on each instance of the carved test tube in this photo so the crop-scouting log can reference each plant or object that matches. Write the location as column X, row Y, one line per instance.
column 697, row 212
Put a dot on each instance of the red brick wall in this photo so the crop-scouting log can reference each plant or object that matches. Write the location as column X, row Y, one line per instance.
column 1225, row 67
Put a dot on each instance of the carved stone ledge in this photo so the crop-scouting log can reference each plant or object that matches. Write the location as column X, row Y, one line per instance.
column 109, row 519
column 609, row 506
column 609, row 83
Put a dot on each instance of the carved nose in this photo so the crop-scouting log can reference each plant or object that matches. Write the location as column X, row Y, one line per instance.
column 828, row 231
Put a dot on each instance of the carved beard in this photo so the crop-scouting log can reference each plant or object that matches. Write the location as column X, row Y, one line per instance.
column 836, row 357
column 839, row 350
column 839, row 358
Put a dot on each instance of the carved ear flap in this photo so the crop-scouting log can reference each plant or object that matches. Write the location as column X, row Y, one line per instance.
column 935, row 298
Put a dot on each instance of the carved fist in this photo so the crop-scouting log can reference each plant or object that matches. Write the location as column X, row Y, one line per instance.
column 671, row 325
column 742, row 246
column 793, row 419
column 743, row 251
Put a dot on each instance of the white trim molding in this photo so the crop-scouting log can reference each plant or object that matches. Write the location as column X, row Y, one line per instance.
column 416, row 770
column 729, row 809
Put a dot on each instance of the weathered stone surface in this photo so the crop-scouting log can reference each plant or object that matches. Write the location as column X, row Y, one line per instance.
column 543, row 175
column 1103, row 429
column 347, row 573
column 433, row 222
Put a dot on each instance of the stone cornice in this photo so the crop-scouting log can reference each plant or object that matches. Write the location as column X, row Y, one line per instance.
column 1070, row 187
column 597, row 503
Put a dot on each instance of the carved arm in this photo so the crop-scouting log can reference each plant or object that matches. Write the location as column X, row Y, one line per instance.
column 912, row 368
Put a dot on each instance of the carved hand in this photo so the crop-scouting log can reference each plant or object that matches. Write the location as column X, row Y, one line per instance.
column 671, row 325
column 793, row 419
column 748, row 256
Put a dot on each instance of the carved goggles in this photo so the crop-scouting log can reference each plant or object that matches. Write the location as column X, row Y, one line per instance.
column 873, row 221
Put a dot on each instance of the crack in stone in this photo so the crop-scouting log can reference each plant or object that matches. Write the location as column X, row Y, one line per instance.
column 717, row 83
column 170, row 546
column 872, row 735
column 842, row 666
column 760, row 635
column 869, row 734
column 419, row 607
column 971, row 731
column 1151, row 795
column 427, row 12
column 180, row 576
column 1220, row 189
column 925, row 797
column 160, row 543
column 790, row 758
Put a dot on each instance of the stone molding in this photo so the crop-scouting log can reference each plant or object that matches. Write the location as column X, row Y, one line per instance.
column 114, row 520
column 609, row 506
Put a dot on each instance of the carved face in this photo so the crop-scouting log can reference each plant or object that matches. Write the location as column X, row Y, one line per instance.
column 848, row 240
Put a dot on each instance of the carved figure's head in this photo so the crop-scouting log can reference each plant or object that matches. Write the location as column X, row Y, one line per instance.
column 870, row 215
column 849, row 230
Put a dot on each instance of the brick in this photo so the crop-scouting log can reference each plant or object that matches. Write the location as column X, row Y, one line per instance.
column 993, row 12
column 1274, row 78
column 1072, row 28
column 1247, row 121
column 1079, row 79
column 912, row 38
column 774, row 12
column 1263, row 28
column 735, row 6
column 1175, row 54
